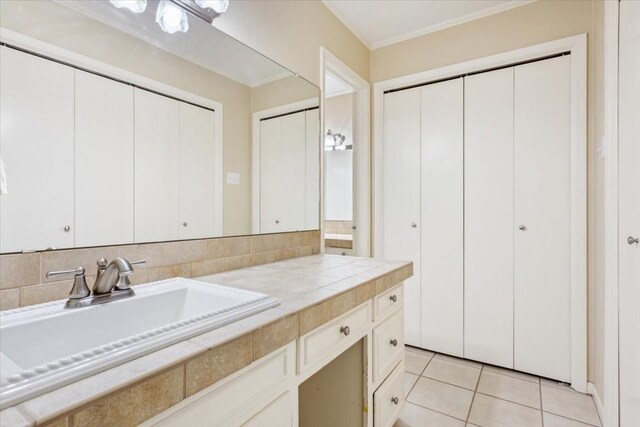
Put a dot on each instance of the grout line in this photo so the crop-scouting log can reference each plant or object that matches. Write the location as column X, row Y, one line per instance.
column 458, row 360
column 475, row 391
column 434, row 410
column 444, row 382
column 570, row 419
column 510, row 401
column 541, row 406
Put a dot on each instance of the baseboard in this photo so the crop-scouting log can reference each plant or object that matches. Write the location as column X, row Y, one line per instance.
column 593, row 391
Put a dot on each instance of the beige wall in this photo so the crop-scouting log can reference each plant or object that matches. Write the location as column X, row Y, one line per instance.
column 534, row 23
column 282, row 92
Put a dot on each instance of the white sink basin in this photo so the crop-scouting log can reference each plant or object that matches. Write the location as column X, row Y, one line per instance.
column 46, row 346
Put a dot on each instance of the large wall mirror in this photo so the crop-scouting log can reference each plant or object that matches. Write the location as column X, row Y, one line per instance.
column 116, row 131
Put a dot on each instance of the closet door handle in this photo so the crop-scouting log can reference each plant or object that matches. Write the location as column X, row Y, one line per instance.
column 632, row 240
column 523, row 228
column 414, row 225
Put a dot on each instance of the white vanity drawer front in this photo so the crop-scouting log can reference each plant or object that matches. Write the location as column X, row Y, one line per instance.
column 388, row 345
column 331, row 337
column 388, row 302
column 388, row 400
column 279, row 413
column 236, row 398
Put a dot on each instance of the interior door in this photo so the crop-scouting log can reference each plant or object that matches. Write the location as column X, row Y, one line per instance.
column 629, row 213
column 401, row 190
column 36, row 110
column 197, row 172
column 103, row 160
column 488, row 217
column 270, row 175
column 542, row 242
column 312, row 170
column 441, row 210
column 157, row 167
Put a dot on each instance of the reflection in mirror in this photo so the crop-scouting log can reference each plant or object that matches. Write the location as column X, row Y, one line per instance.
column 338, row 146
column 118, row 130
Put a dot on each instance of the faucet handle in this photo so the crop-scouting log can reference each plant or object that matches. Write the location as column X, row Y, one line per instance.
column 141, row 262
column 123, row 282
column 80, row 288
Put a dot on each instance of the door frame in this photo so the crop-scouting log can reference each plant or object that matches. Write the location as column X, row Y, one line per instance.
column 255, row 151
column 361, row 151
column 577, row 46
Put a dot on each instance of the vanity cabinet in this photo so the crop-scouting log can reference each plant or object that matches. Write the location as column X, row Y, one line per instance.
column 37, row 147
column 103, row 161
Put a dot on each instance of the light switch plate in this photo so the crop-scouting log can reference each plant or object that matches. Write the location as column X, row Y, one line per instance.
column 233, row 178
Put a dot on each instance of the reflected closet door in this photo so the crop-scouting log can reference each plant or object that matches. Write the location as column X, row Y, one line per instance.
column 312, row 171
column 293, row 190
column 488, row 217
column 103, row 161
column 401, row 189
column 36, row 110
column 197, row 172
column 157, row 167
column 441, row 231
column 542, row 244
column 270, row 175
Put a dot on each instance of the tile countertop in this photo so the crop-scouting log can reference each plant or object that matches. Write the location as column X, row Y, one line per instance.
column 344, row 241
column 312, row 290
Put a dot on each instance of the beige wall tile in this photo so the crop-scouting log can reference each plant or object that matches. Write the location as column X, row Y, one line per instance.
column 204, row 268
column 314, row 316
column 45, row 292
column 236, row 262
column 139, row 277
column 19, row 270
column 304, row 250
column 264, row 258
column 61, row 422
column 217, row 363
column 274, row 335
column 227, row 247
column 283, row 254
column 135, row 404
column 86, row 257
column 168, row 253
column 169, row 271
column 9, row 299
column 267, row 242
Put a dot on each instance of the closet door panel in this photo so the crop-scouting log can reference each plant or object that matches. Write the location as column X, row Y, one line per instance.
column 441, row 230
column 401, row 189
column 103, row 160
column 157, row 167
column 36, row 110
column 197, row 172
column 488, row 217
column 294, row 141
column 270, row 175
column 312, row 170
column 542, row 168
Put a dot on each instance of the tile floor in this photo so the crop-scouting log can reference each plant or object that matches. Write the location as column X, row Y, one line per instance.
column 444, row 391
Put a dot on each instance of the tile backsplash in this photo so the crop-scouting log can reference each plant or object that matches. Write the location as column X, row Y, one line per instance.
column 338, row 227
column 23, row 281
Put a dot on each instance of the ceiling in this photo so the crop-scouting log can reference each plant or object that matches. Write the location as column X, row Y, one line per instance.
column 379, row 23
column 202, row 44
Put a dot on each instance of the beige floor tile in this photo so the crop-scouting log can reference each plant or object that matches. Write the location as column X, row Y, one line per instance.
column 453, row 373
column 419, row 350
column 551, row 420
column 466, row 362
column 414, row 362
column 556, row 384
column 409, row 381
column 488, row 411
column 510, row 388
column 512, row 373
column 417, row 416
column 441, row 397
column 570, row 404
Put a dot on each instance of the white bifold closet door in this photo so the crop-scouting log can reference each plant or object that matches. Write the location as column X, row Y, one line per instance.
column 542, row 208
column 103, row 161
column 441, row 225
column 37, row 147
column 293, row 190
column 312, row 172
column 401, row 207
column 488, row 217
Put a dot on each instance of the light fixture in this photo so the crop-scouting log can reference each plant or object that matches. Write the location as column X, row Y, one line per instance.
column 171, row 17
column 135, row 6
column 218, row 6
column 335, row 142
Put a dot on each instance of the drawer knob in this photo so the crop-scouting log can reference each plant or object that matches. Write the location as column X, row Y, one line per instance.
column 393, row 298
column 395, row 400
column 345, row 330
column 394, row 342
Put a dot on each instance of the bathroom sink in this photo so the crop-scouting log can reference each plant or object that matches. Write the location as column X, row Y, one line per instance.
column 45, row 346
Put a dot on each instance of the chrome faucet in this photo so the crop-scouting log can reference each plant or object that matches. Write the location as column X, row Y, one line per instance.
column 112, row 283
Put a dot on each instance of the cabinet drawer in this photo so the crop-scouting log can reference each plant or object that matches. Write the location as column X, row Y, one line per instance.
column 239, row 395
column 388, row 302
column 327, row 339
column 278, row 413
column 388, row 400
column 388, row 345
